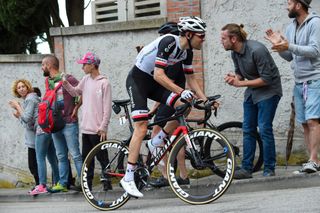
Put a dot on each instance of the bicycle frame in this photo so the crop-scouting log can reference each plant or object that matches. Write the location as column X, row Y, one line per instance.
column 181, row 131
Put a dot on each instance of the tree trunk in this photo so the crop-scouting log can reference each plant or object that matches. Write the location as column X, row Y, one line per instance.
column 54, row 12
column 75, row 10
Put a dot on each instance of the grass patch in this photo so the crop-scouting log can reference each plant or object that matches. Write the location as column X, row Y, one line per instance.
column 6, row 184
column 296, row 159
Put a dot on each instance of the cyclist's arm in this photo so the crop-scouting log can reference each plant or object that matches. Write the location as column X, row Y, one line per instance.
column 161, row 77
column 165, row 48
column 193, row 84
column 190, row 77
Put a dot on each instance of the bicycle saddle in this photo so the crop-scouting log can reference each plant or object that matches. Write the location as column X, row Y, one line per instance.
column 121, row 102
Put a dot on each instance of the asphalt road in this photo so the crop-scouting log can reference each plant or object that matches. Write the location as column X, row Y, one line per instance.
column 273, row 201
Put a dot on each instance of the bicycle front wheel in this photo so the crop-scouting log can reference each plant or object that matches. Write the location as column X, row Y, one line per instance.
column 101, row 187
column 203, row 184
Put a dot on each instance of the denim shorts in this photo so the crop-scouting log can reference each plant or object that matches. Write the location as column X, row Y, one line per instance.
column 307, row 100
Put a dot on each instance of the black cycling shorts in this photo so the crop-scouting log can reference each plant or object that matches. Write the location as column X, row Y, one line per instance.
column 163, row 112
column 140, row 87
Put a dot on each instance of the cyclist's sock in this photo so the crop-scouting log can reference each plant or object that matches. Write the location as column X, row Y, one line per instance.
column 129, row 176
column 157, row 140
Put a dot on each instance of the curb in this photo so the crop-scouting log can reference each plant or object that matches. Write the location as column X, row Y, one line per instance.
column 258, row 183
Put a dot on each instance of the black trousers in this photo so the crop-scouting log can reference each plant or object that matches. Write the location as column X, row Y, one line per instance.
column 32, row 164
column 88, row 142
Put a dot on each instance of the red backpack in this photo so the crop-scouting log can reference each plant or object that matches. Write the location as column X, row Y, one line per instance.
column 50, row 118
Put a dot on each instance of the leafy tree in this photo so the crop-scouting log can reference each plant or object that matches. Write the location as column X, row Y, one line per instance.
column 22, row 21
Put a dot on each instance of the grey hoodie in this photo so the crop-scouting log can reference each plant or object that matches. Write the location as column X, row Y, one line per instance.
column 304, row 48
column 29, row 118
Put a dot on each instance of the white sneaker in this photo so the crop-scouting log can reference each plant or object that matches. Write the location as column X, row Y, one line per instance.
column 310, row 167
column 130, row 188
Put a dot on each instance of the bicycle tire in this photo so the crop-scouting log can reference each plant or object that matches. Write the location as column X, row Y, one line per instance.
column 233, row 131
column 97, row 196
column 205, row 185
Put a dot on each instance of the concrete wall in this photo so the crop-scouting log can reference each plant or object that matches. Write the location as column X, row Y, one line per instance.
column 13, row 152
column 115, row 44
column 257, row 16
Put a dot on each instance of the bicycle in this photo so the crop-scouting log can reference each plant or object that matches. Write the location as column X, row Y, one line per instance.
column 231, row 130
column 205, row 185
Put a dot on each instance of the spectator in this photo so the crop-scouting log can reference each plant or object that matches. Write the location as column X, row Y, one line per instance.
column 96, row 111
column 301, row 45
column 27, row 115
column 67, row 138
column 43, row 147
column 71, row 179
column 256, row 70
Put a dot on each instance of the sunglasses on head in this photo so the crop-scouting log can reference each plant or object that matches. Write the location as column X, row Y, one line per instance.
column 201, row 36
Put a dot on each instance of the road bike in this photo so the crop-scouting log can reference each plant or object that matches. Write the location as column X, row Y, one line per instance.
column 205, row 183
column 232, row 130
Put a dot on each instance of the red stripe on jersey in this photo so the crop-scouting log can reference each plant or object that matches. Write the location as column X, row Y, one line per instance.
column 161, row 63
column 186, row 70
column 140, row 116
column 172, row 99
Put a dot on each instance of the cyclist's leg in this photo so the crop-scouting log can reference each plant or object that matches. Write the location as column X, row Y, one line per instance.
column 140, row 130
column 168, row 99
column 137, row 90
column 163, row 112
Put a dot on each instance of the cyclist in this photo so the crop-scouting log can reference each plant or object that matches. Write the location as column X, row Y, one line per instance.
column 162, row 111
column 147, row 79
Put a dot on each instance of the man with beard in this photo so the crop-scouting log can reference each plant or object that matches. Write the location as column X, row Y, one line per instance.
column 301, row 45
column 256, row 70
column 66, row 139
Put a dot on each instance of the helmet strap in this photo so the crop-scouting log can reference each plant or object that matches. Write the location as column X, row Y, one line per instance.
column 189, row 42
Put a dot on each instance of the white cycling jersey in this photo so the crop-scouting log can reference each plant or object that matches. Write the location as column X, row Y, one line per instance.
column 162, row 52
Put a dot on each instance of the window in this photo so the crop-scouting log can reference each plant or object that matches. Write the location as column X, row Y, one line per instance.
column 124, row 10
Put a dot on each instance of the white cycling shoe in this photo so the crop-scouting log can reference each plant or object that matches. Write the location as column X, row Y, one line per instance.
column 130, row 188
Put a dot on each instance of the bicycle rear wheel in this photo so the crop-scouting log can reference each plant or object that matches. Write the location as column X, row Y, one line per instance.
column 204, row 185
column 233, row 132
column 97, row 195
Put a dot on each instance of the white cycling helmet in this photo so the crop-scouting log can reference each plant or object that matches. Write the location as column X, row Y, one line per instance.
column 192, row 24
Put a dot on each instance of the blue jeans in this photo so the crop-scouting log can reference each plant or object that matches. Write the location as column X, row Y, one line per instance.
column 260, row 114
column 66, row 140
column 45, row 147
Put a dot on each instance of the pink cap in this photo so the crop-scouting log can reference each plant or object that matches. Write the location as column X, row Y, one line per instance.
column 89, row 58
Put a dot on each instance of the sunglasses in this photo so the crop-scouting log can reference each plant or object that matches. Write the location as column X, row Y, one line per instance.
column 201, row 36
